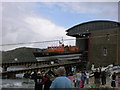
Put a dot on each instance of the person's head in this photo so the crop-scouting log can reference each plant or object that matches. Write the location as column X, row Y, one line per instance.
column 38, row 73
column 96, row 70
column 61, row 71
column 114, row 73
column 82, row 72
column 78, row 71
column 70, row 74
column 47, row 76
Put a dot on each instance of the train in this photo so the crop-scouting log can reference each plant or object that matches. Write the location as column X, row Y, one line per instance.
column 59, row 53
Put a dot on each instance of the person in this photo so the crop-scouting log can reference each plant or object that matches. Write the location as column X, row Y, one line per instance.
column 71, row 77
column 103, row 78
column 38, row 81
column 100, row 67
column 78, row 78
column 118, row 81
column 83, row 78
column 61, row 82
column 87, row 77
column 45, row 78
column 74, row 80
column 113, row 78
column 93, row 67
column 97, row 78
column 33, row 75
column 47, row 82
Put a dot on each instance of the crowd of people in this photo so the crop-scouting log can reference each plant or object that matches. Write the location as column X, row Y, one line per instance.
column 77, row 80
column 100, row 78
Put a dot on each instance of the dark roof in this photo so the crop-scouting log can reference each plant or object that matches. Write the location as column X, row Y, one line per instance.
column 85, row 28
column 96, row 21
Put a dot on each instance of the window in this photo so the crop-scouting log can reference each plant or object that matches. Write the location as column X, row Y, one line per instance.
column 108, row 36
column 105, row 52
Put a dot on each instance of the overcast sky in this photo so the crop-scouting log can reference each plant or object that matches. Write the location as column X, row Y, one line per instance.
column 24, row 22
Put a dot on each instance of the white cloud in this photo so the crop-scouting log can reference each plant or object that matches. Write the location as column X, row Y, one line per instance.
column 45, row 27
column 22, row 24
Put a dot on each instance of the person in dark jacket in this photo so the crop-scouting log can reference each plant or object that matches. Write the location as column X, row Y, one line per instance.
column 38, row 81
column 46, row 82
column 97, row 79
column 103, row 78
column 113, row 83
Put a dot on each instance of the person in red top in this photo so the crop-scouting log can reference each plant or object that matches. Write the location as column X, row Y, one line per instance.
column 71, row 77
column 44, row 79
column 47, row 82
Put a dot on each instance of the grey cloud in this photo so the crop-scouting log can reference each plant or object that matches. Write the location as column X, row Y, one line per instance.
column 16, row 28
